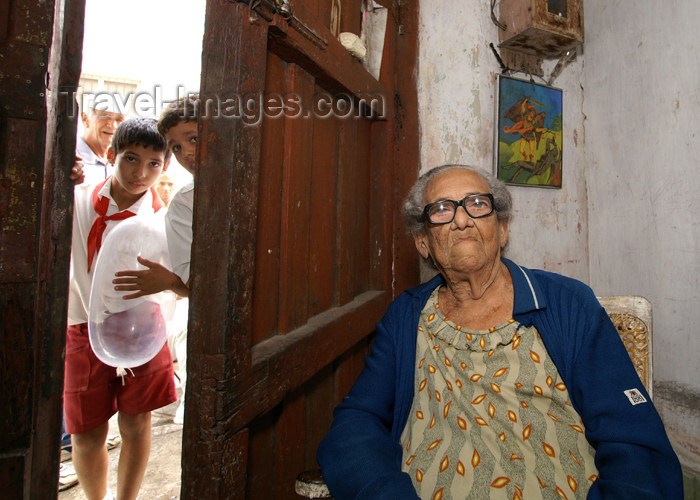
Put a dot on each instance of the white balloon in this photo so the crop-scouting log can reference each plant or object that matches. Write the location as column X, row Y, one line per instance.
column 128, row 333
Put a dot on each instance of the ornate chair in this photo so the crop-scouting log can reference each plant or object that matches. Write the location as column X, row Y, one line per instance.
column 632, row 317
column 630, row 314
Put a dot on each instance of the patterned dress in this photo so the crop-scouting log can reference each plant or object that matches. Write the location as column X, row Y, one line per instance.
column 491, row 417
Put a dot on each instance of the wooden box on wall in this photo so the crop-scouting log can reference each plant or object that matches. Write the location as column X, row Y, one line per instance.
column 545, row 28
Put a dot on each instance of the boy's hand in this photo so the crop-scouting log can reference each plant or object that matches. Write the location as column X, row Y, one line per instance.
column 77, row 175
column 152, row 280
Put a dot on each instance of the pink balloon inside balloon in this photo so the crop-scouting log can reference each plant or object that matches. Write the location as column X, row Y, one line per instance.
column 132, row 337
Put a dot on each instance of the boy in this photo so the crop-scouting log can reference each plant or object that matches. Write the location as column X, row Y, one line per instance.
column 178, row 124
column 92, row 166
column 92, row 390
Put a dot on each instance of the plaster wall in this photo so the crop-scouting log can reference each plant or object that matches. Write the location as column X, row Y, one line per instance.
column 641, row 97
column 456, row 101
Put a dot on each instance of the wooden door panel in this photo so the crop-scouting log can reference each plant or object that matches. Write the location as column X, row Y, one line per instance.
column 351, row 18
column 295, row 215
column 322, row 11
column 293, row 256
column 360, row 234
column 324, row 205
column 284, row 362
column 269, row 472
column 318, row 241
column 262, row 439
column 319, row 404
column 38, row 46
column 289, row 443
column 267, row 256
column 347, row 211
column 215, row 453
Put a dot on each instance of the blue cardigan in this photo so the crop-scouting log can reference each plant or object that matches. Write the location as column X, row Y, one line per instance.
column 360, row 456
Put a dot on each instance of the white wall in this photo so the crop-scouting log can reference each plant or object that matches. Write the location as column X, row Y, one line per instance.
column 626, row 218
column 642, row 96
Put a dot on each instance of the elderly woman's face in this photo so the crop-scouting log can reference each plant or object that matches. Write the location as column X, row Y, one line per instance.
column 464, row 245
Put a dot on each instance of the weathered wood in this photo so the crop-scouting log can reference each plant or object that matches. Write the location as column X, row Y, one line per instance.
column 223, row 254
column 284, row 362
column 352, row 16
column 380, row 215
column 295, row 224
column 289, row 445
column 36, row 151
column 25, row 49
column 20, row 195
column 401, row 58
column 324, row 200
column 364, row 206
column 267, row 258
column 347, row 209
column 319, row 405
column 262, row 443
column 295, row 214
column 16, row 301
column 54, row 244
column 226, row 186
column 322, row 11
column 235, row 465
column 334, row 69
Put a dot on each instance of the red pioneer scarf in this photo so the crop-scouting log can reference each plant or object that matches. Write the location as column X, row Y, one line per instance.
column 101, row 204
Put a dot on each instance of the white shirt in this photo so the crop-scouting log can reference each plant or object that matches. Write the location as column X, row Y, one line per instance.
column 178, row 230
column 84, row 216
column 96, row 169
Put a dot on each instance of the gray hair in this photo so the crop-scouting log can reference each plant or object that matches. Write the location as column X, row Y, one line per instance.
column 413, row 205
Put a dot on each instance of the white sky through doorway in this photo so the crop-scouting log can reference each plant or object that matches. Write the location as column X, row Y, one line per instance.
column 158, row 42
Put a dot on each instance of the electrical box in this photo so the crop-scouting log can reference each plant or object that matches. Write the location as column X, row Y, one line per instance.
column 544, row 28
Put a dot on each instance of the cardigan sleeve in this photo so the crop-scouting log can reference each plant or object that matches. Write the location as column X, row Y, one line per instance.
column 633, row 455
column 359, row 458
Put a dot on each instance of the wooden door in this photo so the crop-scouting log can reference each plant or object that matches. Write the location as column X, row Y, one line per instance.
column 298, row 243
column 39, row 71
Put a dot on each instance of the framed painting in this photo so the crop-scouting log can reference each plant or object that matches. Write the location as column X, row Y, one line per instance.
column 529, row 133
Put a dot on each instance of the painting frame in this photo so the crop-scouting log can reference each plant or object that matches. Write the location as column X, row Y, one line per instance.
column 529, row 133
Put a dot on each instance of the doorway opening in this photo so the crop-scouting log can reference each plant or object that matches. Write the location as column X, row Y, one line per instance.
column 137, row 57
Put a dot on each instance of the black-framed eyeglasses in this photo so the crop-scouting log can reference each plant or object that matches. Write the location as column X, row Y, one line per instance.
column 444, row 211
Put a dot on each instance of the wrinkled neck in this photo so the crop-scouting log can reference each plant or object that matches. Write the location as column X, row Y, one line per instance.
column 481, row 299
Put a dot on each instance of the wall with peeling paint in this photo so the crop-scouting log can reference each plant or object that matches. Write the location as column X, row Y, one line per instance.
column 456, row 88
column 641, row 98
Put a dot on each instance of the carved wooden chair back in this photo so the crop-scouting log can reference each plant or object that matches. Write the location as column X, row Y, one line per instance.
column 632, row 317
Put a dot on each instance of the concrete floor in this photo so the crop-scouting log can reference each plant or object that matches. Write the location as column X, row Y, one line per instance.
column 162, row 480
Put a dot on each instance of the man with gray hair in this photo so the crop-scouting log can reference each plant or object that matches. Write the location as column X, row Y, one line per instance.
column 99, row 124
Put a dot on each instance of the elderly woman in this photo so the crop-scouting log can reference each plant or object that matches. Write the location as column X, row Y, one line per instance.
column 492, row 380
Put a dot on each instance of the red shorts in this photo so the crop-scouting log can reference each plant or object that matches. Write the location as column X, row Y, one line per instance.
column 92, row 391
